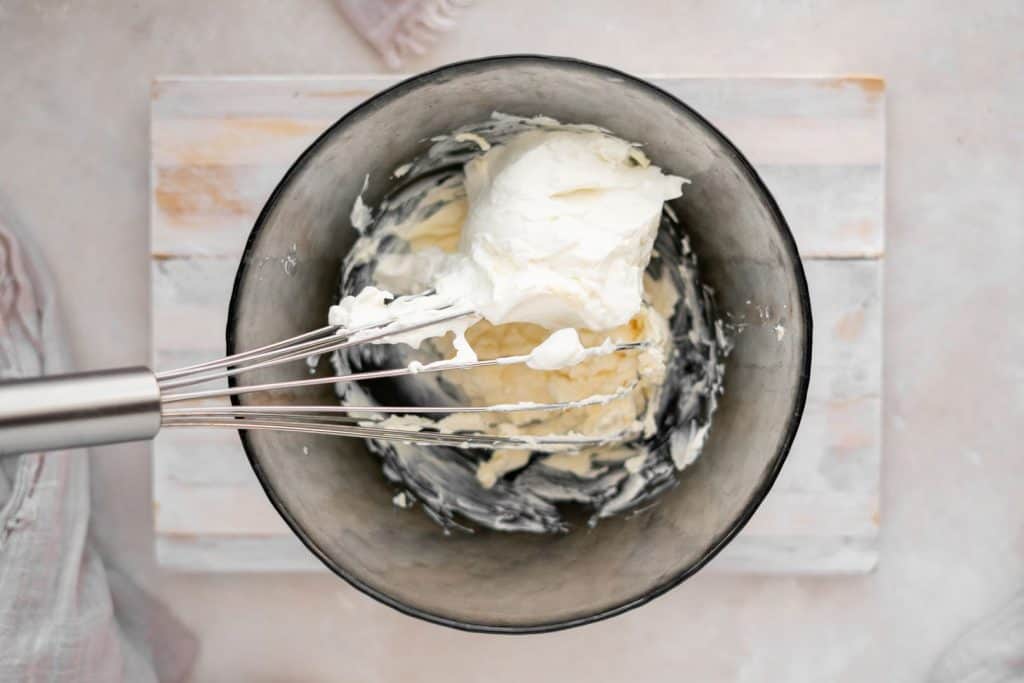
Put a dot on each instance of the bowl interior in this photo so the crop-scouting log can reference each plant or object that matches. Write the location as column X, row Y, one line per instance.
column 336, row 498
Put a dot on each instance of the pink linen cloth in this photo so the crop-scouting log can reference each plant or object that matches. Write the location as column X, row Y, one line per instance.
column 65, row 614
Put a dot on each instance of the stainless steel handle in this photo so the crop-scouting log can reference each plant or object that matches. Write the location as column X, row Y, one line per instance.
column 81, row 409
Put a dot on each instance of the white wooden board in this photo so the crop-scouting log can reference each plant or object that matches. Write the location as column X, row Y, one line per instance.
column 219, row 145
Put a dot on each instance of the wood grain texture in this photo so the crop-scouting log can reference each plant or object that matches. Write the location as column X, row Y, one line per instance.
column 219, row 145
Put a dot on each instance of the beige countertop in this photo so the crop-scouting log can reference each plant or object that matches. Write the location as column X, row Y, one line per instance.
column 73, row 167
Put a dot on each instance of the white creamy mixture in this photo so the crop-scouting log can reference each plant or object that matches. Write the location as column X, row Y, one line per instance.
column 546, row 239
column 559, row 229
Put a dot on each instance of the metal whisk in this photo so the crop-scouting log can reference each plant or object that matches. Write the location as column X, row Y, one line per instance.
column 132, row 404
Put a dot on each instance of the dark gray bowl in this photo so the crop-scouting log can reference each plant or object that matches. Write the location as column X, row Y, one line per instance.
column 336, row 499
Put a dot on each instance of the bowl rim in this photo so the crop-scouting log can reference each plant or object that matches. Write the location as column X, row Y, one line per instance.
column 758, row 496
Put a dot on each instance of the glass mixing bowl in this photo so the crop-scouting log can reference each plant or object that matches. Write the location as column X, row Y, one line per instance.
column 331, row 492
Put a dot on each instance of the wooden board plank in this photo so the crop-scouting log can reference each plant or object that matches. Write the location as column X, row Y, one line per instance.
column 201, row 97
column 220, row 145
column 228, row 143
column 283, row 553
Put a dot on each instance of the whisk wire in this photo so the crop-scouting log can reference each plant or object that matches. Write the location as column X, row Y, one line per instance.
column 244, row 355
column 440, row 366
column 348, row 338
column 469, row 440
column 359, row 421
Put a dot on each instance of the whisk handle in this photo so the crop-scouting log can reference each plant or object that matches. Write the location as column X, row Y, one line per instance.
column 80, row 409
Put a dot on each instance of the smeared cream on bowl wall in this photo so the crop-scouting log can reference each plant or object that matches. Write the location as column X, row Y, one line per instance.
column 547, row 235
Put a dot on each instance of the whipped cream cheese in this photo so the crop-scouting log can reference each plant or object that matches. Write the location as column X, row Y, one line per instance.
column 546, row 239
column 403, row 319
column 559, row 231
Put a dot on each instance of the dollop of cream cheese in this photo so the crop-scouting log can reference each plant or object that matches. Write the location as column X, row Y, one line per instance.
column 560, row 228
